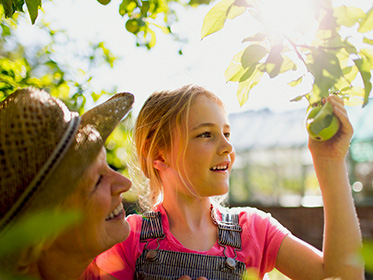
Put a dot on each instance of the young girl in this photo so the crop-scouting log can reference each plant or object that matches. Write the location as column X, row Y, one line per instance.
column 183, row 146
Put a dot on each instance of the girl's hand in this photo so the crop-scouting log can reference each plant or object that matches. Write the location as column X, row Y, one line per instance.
column 337, row 147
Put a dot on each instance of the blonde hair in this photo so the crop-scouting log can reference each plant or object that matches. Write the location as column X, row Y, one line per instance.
column 162, row 114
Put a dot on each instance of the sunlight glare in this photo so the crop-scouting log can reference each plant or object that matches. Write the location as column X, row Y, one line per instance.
column 293, row 19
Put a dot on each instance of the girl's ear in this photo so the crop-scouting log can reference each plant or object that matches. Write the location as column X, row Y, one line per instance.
column 159, row 163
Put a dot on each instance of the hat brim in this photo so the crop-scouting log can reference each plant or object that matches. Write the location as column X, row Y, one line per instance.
column 77, row 154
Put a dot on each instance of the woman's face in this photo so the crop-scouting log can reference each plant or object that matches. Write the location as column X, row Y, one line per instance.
column 209, row 155
column 99, row 197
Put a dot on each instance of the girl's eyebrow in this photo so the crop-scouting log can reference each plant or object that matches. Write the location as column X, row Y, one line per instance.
column 208, row 125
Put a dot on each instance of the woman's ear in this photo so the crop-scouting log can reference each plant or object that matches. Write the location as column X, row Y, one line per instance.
column 159, row 163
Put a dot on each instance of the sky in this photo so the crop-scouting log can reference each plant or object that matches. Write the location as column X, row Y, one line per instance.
column 143, row 71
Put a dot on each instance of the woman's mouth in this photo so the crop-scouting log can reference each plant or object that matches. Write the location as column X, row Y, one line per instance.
column 117, row 212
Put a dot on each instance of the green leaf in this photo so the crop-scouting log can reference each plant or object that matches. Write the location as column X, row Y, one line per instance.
column 353, row 96
column 245, row 87
column 33, row 7
column 164, row 29
column 18, row 5
column 35, row 228
column 325, row 69
column 348, row 16
column 344, row 58
column 248, row 73
column 296, row 82
column 258, row 37
column 332, row 65
column 298, row 98
column 328, row 21
column 127, row 7
column 367, row 253
column 351, row 49
column 8, row 7
column 368, row 41
column 153, row 39
column 236, row 11
column 364, row 68
column 215, row 18
column 195, row 3
column 287, row 64
column 367, row 23
column 252, row 54
column 349, row 74
column 274, row 61
column 235, row 70
column 368, row 54
column 245, row 3
column 277, row 63
column 104, row 2
column 315, row 95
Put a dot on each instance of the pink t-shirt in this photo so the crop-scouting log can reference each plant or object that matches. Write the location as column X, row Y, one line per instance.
column 261, row 238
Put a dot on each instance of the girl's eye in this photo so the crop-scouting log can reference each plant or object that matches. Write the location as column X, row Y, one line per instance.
column 205, row 135
column 227, row 135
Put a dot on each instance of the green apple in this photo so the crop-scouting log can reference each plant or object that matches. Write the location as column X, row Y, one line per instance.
column 321, row 123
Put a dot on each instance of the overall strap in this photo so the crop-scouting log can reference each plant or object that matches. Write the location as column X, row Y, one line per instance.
column 151, row 226
column 229, row 231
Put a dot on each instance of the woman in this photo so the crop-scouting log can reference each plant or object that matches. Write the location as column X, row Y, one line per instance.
column 183, row 146
column 53, row 160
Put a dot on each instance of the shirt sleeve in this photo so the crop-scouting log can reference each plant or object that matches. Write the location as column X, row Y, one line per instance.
column 263, row 234
column 119, row 261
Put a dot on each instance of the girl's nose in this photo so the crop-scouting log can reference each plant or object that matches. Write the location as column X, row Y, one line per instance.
column 226, row 146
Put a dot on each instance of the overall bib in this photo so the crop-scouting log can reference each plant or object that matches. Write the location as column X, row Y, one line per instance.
column 156, row 264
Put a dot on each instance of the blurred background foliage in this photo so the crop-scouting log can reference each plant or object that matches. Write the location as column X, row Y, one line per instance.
column 142, row 17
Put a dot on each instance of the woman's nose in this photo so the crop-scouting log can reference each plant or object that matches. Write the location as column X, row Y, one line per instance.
column 120, row 183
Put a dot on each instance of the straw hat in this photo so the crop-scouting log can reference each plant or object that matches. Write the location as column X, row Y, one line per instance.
column 45, row 148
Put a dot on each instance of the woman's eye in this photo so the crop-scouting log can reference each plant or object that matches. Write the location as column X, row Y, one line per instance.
column 205, row 135
column 98, row 181
column 227, row 135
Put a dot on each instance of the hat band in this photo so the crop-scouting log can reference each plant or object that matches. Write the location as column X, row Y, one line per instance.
column 44, row 172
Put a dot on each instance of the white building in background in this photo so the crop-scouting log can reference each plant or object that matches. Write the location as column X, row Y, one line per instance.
column 274, row 167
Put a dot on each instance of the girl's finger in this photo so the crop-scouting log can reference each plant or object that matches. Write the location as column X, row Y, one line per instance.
column 340, row 111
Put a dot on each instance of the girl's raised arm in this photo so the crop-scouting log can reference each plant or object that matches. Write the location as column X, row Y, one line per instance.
column 342, row 236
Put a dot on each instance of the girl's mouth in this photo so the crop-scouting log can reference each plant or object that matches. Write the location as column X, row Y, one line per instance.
column 220, row 167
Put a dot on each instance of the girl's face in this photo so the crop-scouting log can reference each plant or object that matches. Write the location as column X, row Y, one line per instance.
column 99, row 197
column 206, row 165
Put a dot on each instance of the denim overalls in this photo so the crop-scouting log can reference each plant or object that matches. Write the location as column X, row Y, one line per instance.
column 156, row 264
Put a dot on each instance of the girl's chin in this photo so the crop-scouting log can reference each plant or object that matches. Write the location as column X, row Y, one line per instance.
column 215, row 193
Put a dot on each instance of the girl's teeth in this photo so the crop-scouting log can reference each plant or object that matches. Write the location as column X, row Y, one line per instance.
column 220, row 167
